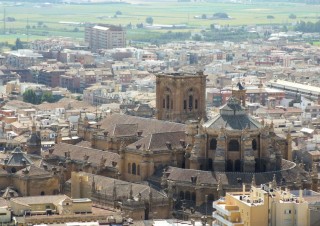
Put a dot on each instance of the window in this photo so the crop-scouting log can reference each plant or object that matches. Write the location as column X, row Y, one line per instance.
column 193, row 196
column 134, row 169
column 213, row 144
column 129, row 168
column 196, row 104
column 138, row 170
column 181, row 195
column 190, row 102
column 254, row 145
column 164, row 103
column 167, row 101
column 233, row 145
column 187, row 195
column 184, row 104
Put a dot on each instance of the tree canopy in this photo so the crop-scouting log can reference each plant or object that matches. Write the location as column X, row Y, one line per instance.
column 149, row 20
column 30, row 96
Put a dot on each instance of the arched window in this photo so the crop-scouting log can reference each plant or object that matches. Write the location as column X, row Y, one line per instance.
column 213, row 144
column 185, row 105
column 138, row 170
column 13, row 170
column 181, row 195
column 168, row 101
column 42, row 193
column 188, row 195
column 210, row 198
column 164, row 103
column 134, row 169
column 254, row 145
column 196, row 104
column 234, row 145
column 129, row 167
column 190, row 102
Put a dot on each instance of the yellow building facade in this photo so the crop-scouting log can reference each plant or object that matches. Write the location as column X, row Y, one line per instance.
column 263, row 206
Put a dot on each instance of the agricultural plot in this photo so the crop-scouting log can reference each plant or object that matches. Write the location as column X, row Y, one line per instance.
column 32, row 20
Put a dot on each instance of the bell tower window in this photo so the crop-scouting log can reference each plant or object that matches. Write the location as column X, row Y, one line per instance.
column 190, row 102
column 213, row 144
column 234, row 145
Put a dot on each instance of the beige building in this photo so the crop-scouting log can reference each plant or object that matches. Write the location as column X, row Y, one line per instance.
column 263, row 206
column 105, row 36
column 137, row 201
column 181, row 97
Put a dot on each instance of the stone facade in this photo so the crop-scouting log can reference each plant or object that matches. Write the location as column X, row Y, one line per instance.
column 180, row 97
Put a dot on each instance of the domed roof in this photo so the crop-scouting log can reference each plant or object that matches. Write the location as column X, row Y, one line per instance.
column 234, row 117
column 18, row 158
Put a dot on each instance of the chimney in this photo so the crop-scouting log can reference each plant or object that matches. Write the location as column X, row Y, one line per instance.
column 66, row 154
column 194, row 179
column 183, row 143
column 139, row 133
column 169, row 145
column 300, row 196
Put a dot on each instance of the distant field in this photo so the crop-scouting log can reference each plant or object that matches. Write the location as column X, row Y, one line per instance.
column 162, row 13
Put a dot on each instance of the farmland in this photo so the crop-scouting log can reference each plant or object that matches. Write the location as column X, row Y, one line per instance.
column 32, row 21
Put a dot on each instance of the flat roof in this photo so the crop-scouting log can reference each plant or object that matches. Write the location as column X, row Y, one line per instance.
column 294, row 85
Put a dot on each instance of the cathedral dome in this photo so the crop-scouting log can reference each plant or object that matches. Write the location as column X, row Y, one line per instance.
column 233, row 116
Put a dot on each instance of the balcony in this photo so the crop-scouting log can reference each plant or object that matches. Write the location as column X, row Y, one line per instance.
column 225, row 221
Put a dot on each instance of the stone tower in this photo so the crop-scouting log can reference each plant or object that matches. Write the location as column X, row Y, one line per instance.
column 180, row 96
column 33, row 145
column 240, row 94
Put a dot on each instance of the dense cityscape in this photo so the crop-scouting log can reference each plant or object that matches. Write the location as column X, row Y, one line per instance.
column 219, row 126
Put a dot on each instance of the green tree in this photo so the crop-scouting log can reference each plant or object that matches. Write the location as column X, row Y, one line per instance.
column 47, row 97
column 118, row 12
column 270, row 17
column 30, row 96
column 18, row 44
column 197, row 37
column 221, row 15
column 149, row 20
column 292, row 16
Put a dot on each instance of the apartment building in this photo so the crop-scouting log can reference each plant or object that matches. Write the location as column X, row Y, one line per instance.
column 264, row 206
column 103, row 36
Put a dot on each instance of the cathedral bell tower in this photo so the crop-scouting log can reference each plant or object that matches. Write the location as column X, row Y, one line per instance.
column 33, row 144
column 181, row 97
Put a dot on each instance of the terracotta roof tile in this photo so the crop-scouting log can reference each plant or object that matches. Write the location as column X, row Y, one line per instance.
column 78, row 152
column 148, row 126
column 158, row 141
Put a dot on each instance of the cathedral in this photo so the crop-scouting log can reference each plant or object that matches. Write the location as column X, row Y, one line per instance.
column 195, row 159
